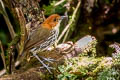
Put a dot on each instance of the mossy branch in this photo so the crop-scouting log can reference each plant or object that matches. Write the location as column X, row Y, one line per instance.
column 22, row 27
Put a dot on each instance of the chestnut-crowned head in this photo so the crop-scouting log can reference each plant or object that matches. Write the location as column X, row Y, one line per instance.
column 52, row 21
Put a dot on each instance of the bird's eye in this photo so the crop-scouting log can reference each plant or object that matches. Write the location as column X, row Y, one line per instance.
column 55, row 20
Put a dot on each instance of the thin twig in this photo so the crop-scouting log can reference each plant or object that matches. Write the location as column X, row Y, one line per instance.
column 65, row 37
column 70, row 21
column 60, row 2
column 2, row 55
column 10, row 27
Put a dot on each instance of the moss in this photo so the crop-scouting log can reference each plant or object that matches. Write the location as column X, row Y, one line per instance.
column 109, row 74
column 84, row 67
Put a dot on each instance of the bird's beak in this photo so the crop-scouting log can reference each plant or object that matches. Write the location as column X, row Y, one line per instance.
column 63, row 17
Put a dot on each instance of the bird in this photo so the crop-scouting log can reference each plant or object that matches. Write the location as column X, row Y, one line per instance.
column 43, row 37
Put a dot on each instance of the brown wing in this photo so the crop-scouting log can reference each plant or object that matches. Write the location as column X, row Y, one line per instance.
column 37, row 37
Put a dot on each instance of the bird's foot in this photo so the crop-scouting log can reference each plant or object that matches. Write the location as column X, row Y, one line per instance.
column 47, row 67
column 44, row 65
column 48, row 59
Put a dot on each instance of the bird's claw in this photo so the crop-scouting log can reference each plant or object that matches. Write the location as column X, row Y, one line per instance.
column 48, row 59
column 47, row 67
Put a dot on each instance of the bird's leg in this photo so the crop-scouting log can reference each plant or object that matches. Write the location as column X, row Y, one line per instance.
column 48, row 59
column 44, row 65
